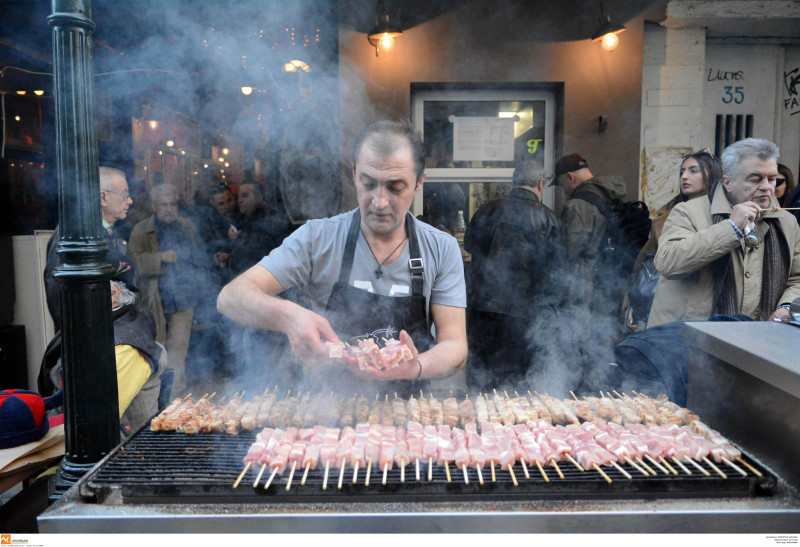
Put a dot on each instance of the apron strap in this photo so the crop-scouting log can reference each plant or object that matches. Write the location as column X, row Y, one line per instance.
column 414, row 264
column 415, row 260
column 350, row 248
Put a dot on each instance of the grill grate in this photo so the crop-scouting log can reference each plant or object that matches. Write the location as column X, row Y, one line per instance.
column 175, row 468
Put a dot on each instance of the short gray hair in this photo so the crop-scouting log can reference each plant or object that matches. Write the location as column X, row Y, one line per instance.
column 126, row 296
column 108, row 173
column 735, row 153
column 528, row 173
column 163, row 191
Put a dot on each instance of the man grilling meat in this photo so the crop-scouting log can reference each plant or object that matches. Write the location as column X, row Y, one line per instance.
column 370, row 268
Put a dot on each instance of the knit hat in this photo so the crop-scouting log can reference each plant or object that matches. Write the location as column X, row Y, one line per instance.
column 22, row 416
column 568, row 164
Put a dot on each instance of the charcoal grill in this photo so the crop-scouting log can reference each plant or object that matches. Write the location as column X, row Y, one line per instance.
column 168, row 482
column 153, row 468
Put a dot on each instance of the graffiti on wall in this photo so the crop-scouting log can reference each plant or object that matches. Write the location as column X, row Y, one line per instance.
column 791, row 80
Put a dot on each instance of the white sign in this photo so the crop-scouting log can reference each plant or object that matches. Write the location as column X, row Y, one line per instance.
column 483, row 139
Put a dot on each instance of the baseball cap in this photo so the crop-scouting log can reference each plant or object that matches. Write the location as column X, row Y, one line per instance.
column 568, row 164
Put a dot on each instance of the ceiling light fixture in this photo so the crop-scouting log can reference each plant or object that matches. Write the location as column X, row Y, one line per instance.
column 382, row 36
column 246, row 90
column 607, row 31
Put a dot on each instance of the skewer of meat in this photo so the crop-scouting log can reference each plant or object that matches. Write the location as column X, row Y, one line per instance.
column 327, row 452
column 430, row 446
column 437, row 412
column 481, row 410
column 349, row 412
column 280, row 458
column 490, row 448
column 503, row 409
column 491, row 410
column 373, row 449
column 399, row 416
column 401, row 457
column 413, row 410
column 531, row 448
column 507, row 452
column 415, row 438
column 450, row 411
column 528, row 412
column 388, row 449
column 477, row 456
column 467, row 411
column 254, row 452
column 345, row 450
column 424, row 410
column 358, row 453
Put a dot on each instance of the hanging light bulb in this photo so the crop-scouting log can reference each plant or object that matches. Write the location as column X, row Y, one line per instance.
column 38, row 92
column 246, row 90
column 610, row 42
column 384, row 33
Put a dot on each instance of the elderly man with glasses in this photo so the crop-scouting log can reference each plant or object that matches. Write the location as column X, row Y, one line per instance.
column 115, row 199
column 734, row 253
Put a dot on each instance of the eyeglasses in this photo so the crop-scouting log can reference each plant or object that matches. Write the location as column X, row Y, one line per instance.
column 123, row 195
column 779, row 182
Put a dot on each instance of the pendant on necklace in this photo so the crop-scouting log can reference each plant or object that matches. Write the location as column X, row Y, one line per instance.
column 378, row 272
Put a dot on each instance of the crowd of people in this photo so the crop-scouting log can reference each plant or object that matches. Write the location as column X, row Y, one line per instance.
column 233, row 291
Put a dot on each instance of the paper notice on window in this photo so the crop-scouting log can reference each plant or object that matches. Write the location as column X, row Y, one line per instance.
column 483, row 139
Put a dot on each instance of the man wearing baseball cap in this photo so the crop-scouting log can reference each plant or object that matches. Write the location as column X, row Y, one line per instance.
column 584, row 224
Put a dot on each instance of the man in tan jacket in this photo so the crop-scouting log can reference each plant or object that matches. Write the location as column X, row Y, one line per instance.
column 734, row 253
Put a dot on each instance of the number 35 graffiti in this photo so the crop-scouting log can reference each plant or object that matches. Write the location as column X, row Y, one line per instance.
column 733, row 94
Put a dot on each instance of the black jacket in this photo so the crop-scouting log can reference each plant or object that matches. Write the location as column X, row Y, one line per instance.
column 258, row 235
column 515, row 244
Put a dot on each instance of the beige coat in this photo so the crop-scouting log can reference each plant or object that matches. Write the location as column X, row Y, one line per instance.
column 144, row 246
column 688, row 246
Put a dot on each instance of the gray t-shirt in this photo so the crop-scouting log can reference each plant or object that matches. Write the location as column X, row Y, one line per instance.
column 311, row 258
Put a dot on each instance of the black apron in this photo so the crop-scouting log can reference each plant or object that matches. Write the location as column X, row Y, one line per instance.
column 354, row 312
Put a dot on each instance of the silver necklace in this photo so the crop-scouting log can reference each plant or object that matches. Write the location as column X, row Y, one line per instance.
column 379, row 269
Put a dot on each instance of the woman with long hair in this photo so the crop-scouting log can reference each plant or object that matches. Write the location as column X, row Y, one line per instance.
column 699, row 172
column 784, row 184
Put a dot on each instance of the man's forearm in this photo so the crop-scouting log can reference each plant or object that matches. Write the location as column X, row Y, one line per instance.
column 243, row 301
column 443, row 359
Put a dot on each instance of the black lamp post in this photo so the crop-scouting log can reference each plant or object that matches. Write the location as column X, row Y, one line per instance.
column 91, row 422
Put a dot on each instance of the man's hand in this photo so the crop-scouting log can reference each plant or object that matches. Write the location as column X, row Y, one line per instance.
column 405, row 370
column 781, row 314
column 307, row 331
column 233, row 233
column 744, row 212
column 169, row 256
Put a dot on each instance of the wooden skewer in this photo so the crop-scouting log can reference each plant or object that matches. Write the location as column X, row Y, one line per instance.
column 447, row 471
column 341, row 473
column 621, row 470
column 355, row 473
column 325, row 478
column 385, row 470
column 305, row 473
column 668, row 466
column 617, row 394
column 558, row 469
column 573, row 395
column 241, row 475
column 212, row 396
column 641, row 462
column 430, row 469
column 608, row 480
column 679, row 464
column 525, row 469
column 513, row 477
column 654, row 462
column 755, row 471
column 464, row 470
column 187, row 396
column 369, row 470
column 715, row 468
column 242, row 395
column 258, row 478
column 633, row 464
column 402, row 470
column 541, row 470
column 736, row 467
column 697, row 465
column 272, row 476
column 480, row 475
column 494, row 478
column 417, row 469
column 575, row 463
column 291, row 476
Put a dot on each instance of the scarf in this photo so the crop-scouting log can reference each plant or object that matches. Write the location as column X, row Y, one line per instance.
column 774, row 274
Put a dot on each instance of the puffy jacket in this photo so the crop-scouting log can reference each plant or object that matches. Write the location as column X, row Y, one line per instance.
column 691, row 242
column 515, row 242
